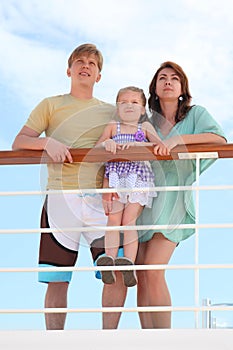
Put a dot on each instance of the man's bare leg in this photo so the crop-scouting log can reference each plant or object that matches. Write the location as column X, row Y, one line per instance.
column 56, row 297
column 114, row 295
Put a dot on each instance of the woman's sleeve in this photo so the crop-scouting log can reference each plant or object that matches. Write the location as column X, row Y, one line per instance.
column 204, row 122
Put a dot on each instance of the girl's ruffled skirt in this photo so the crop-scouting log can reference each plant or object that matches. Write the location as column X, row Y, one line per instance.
column 134, row 189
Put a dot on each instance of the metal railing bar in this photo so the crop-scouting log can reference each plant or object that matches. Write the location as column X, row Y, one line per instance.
column 119, row 309
column 112, row 228
column 119, row 268
column 109, row 190
column 9, row 157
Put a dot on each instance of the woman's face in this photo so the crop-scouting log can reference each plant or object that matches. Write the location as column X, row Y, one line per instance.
column 168, row 85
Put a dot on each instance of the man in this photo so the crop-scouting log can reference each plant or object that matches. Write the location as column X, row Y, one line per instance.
column 73, row 120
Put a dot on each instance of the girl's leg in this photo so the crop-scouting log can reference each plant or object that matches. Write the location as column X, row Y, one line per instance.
column 130, row 215
column 158, row 251
column 112, row 242
column 112, row 238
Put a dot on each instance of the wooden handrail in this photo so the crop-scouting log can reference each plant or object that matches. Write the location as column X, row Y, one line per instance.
column 100, row 155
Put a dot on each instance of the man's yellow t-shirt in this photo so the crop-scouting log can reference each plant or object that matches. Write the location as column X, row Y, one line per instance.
column 78, row 124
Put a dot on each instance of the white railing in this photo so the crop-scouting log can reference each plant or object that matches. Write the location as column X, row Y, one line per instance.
column 196, row 308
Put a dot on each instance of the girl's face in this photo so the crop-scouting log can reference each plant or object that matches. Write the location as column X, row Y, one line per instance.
column 130, row 106
column 168, row 85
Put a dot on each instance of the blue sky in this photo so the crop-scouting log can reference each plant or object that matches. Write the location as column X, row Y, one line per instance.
column 135, row 37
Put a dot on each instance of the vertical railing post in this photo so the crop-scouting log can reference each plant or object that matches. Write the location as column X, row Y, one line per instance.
column 196, row 254
column 206, row 315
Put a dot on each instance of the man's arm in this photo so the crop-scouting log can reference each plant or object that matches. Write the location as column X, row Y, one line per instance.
column 28, row 138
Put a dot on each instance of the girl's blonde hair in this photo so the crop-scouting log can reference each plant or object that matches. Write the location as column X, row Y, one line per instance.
column 144, row 117
column 134, row 89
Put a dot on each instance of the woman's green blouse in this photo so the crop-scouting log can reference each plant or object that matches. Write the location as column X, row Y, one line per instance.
column 177, row 207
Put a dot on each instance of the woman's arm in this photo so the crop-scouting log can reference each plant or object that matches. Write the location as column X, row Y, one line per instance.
column 207, row 137
column 187, row 139
column 194, row 138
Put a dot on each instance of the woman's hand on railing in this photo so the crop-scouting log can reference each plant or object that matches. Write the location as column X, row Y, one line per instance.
column 162, row 149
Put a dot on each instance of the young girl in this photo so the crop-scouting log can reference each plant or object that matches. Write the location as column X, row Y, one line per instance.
column 125, row 207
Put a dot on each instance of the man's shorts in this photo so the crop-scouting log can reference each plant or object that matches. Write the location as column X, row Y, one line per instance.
column 65, row 212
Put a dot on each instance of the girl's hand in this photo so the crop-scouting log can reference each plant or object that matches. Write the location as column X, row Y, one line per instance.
column 107, row 199
column 110, row 146
column 58, row 151
column 127, row 145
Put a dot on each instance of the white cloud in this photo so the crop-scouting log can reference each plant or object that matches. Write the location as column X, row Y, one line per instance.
column 29, row 69
column 135, row 37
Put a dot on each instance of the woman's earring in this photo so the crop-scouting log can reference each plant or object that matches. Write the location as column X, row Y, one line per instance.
column 156, row 97
column 181, row 98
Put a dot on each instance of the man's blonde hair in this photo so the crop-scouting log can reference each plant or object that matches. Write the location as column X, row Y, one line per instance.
column 88, row 49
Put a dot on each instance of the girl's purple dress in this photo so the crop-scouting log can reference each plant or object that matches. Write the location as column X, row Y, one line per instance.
column 131, row 175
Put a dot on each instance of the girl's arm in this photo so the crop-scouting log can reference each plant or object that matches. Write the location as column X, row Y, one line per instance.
column 105, row 139
column 160, row 147
column 108, row 198
column 106, row 135
column 152, row 136
column 151, row 133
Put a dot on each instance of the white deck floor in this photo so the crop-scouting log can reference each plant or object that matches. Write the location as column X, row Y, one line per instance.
column 180, row 339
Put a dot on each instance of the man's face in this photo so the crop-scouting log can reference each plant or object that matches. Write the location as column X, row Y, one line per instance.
column 85, row 69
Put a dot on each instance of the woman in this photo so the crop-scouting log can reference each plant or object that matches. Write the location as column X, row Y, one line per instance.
column 176, row 122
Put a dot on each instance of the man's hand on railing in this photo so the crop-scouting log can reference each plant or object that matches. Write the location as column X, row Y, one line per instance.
column 58, row 151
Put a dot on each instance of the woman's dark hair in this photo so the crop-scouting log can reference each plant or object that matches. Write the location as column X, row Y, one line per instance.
column 183, row 103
